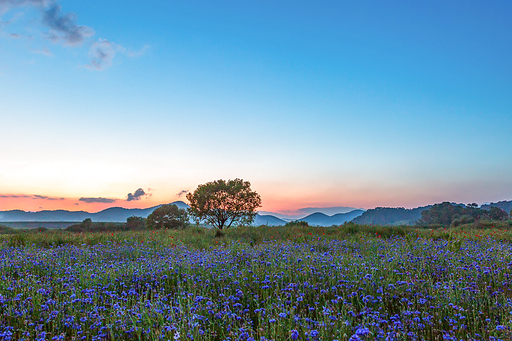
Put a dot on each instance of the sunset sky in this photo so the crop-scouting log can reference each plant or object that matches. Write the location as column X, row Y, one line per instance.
column 316, row 103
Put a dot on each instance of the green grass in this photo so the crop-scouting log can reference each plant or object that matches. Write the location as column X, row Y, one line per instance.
column 201, row 237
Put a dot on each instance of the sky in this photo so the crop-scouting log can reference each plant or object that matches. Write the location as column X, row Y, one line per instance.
column 318, row 104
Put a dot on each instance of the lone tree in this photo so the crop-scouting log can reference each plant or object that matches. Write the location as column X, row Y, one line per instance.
column 223, row 203
column 167, row 217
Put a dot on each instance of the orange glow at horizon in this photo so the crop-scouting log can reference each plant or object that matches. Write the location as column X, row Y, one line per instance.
column 40, row 202
column 284, row 199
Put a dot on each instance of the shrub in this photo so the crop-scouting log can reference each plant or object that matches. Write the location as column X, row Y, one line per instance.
column 135, row 223
column 296, row 223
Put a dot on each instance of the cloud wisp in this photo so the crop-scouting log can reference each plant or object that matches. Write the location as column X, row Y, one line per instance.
column 102, row 52
column 33, row 197
column 138, row 53
column 44, row 197
column 137, row 195
column 15, row 196
column 97, row 200
column 62, row 28
column 5, row 5
column 182, row 193
column 46, row 51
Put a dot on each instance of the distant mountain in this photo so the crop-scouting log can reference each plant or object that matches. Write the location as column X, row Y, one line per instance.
column 113, row 214
column 391, row 216
column 504, row 205
column 268, row 220
column 330, row 211
column 302, row 212
column 321, row 219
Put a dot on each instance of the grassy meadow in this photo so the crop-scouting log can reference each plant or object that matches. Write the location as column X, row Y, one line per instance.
column 348, row 282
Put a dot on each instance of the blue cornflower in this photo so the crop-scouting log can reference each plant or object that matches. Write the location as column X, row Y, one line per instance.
column 295, row 334
column 362, row 331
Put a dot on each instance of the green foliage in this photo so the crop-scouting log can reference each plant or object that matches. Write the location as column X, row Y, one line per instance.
column 6, row 229
column 87, row 223
column 135, row 223
column 390, row 216
column 222, row 203
column 460, row 220
column 447, row 214
column 296, row 223
column 200, row 237
column 167, row 217
column 96, row 227
column 496, row 213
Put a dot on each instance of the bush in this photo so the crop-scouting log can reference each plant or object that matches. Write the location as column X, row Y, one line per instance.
column 135, row 223
column 296, row 223
column 465, row 219
column 496, row 213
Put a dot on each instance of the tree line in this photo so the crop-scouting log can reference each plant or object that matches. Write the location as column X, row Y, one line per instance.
column 449, row 214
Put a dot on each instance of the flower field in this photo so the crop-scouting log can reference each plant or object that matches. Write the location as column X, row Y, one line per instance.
column 361, row 288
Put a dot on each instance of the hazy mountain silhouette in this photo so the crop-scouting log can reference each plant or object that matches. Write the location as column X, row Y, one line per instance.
column 321, row 219
column 330, row 211
column 303, row 212
column 112, row 214
column 267, row 219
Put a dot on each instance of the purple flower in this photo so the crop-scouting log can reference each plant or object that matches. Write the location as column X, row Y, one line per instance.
column 362, row 331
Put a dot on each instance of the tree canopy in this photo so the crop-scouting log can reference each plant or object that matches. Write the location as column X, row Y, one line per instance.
column 451, row 214
column 135, row 223
column 167, row 217
column 223, row 203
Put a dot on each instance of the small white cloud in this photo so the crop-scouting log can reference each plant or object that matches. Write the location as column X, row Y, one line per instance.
column 102, row 52
column 138, row 53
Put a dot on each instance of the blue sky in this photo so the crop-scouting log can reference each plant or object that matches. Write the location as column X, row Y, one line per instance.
column 330, row 103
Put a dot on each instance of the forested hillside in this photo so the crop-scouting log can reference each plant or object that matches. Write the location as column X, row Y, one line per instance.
column 390, row 216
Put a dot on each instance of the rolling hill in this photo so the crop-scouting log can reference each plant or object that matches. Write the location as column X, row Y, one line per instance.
column 113, row 214
column 267, row 219
column 321, row 219
column 390, row 216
